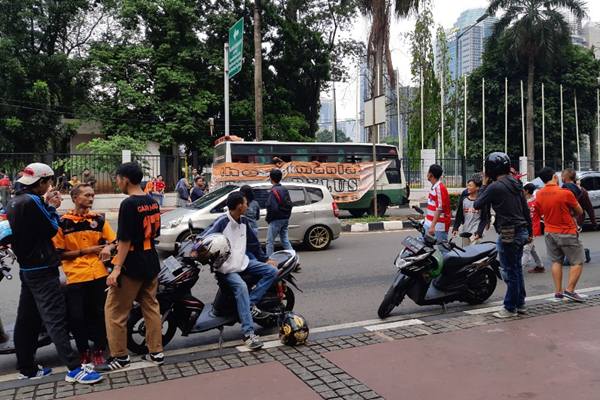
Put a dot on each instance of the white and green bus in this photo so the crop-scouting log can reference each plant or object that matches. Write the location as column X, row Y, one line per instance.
column 391, row 186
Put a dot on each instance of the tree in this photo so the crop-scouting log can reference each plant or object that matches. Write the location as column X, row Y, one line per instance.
column 534, row 30
column 327, row 136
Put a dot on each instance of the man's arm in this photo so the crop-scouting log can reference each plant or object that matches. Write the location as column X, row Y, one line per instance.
column 46, row 216
column 526, row 215
column 122, row 251
column 253, row 245
column 458, row 220
column 484, row 198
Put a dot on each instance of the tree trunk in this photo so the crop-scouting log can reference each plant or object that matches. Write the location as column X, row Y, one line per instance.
column 530, row 135
column 258, row 103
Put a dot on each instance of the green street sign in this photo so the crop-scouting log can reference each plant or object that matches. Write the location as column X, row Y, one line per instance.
column 236, row 47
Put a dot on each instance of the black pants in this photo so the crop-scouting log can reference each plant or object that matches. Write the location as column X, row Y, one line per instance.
column 85, row 302
column 42, row 300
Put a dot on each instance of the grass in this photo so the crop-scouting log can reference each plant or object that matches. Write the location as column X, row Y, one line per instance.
column 364, row 220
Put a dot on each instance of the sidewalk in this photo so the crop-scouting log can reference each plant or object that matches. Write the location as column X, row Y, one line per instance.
column 551, row 352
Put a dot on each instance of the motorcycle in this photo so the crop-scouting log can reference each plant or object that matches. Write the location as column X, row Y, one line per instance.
column 7, row 259
column 180, row 310
column 437, row 273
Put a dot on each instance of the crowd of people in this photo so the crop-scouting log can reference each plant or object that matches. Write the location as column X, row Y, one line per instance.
column 106, row 271
column 520, row 213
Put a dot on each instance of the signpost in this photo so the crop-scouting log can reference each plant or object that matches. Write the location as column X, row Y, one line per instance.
column 233, row 57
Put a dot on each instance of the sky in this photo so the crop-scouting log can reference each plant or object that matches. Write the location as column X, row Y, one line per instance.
column 445, row 13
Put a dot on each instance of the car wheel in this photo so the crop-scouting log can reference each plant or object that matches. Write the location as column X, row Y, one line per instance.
column 318, row 237
column 357, row 212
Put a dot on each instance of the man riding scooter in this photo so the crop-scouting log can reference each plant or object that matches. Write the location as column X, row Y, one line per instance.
column 246, row 256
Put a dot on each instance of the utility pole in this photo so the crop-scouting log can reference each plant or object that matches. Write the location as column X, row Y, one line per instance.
column 334, row 115
column 226, row 84
column 258, row 103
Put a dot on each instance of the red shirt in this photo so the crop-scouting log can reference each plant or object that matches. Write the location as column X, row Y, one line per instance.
column 159, row 186
column 555, row 204
column 439, row 200
column 536, row 219
column 5, row 182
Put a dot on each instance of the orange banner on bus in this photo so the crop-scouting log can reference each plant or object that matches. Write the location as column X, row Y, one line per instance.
column 347, row 182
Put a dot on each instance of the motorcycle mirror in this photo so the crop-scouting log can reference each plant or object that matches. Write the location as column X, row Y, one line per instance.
column 418, row 210
column 466, row 235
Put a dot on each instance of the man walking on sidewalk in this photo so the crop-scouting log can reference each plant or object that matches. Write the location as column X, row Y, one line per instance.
column 135, row 271
column 558, row 207
column 437, row 220
column 34, row 221
column 279, row 210
column 513, row 223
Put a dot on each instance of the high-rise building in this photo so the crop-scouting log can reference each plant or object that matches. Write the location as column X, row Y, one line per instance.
column 591, row 34
column 326, row 115
column 471, row 43
column 576, row 28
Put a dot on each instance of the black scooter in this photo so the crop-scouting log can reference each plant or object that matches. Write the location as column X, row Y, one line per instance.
column 7, row 259
column 437, row 273
column 180, row 310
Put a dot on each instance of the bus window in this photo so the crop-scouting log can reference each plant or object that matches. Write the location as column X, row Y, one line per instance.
column 219, row 156
column 393, row 172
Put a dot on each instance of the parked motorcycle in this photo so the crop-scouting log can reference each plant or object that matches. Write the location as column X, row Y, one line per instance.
column 437, row 273
column 180, row 310
column 7, row 259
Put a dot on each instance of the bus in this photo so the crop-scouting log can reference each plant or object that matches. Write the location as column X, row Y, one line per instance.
column 346, row 169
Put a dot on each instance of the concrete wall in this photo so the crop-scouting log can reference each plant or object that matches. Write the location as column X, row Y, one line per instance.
column 113, row 201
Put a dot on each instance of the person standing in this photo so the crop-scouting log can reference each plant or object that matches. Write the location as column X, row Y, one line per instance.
column 198, row 190
column 279, row 211
column 159, row 190
column 558, row 207
column 135, row 270
column 4, row 189
column 504, row 193
column 84, row 241
column 34, row 222
column 89, row 178
column 569, row 178
column 253, row 211
column 437, row 219
column 183, row 192
column 473, row 221
column 530, row 254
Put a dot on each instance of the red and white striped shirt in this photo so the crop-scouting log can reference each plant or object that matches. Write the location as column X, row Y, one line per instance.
column 438, row 200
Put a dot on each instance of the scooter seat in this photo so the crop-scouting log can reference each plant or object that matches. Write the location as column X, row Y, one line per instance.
column 456, row 258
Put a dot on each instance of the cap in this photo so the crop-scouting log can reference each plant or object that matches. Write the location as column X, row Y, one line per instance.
column 34, row 172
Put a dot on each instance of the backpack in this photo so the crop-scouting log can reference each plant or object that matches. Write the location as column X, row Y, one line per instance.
column 285, row 203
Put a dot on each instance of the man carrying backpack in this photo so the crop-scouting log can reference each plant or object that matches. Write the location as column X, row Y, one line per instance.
column 279, row 210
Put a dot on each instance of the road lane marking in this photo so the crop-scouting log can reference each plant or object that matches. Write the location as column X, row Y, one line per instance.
column 392, row 325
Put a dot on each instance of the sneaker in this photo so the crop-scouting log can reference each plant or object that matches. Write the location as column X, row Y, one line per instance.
column 559, row 296
column 587, row 256
column 84, row 374
column 98, row 357
column 257, row 313
column 114, row 363
column 85, row 357
column 537, row 270
column 522, row 310
column 573, row 296
column 155, row 358
column 504, row 313
column 41, row 372
column 253, row 342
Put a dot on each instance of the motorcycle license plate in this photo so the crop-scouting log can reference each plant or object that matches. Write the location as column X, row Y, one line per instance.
column 413, row 244
column 172, row 264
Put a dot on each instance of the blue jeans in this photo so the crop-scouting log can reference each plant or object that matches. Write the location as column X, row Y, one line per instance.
column 278, row 228
column 441, row 236
column 244, row 300
column 158, row 198
column 510, row 256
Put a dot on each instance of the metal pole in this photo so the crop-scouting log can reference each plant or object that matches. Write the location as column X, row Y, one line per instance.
column 562, row 131
column 422, row 113
column 456, row 98
column 442, row 116
column 483, row 117
column 358, row 99
column 334, row 114
column 400, row 138
column 598, row 121
column 226, row 82
column 523, row 119
column 543, row 127
column 465, row 119
column 506, row 115
column 577, row 131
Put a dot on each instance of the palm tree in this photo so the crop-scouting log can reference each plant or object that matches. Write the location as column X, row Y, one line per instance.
column 535, row 30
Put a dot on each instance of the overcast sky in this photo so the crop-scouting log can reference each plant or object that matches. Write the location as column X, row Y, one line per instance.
column 445, row 12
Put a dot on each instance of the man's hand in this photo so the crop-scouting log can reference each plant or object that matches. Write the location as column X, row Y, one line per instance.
column 272, row 262
column 476, row 237
column 431, row 231
column 112, row 279
column 93, row 250
column 105, row 253
column 53, row 198
column 529, row 239
column 454, row 232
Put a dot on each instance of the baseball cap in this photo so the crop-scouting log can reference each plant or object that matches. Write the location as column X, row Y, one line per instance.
column 34, row 172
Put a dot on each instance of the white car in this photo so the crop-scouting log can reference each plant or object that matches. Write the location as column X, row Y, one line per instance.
column 314, row 221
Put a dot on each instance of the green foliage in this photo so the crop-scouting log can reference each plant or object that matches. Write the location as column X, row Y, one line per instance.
column 327, row 136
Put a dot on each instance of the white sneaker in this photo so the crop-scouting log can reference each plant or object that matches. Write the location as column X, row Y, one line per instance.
column 504, row 313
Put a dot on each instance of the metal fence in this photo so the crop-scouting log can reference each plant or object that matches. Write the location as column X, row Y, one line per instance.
column 102, row 166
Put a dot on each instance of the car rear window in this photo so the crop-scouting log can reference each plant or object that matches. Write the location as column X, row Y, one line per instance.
column 314, row 195
column 297, row 196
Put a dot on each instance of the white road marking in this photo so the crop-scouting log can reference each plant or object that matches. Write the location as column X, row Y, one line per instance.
column 392, row 325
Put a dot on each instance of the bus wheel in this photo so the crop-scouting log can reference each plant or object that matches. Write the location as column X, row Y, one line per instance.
column 382, row 205
column 357, row 212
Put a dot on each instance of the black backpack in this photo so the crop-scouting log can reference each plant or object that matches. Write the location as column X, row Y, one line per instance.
column 285, row 203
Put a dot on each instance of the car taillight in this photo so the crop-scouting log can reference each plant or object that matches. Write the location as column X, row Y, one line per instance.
column 336, row 210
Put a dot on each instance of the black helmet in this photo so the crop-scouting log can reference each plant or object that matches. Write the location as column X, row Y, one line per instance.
column 293, row 329
column 213, row 250
column 496, row 164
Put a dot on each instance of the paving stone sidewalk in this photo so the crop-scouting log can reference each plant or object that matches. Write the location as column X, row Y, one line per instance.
column 307, row 362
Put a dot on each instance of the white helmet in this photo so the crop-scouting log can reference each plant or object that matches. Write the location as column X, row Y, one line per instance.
column 213, row 250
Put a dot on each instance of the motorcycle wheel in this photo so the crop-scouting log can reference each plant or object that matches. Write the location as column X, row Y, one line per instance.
column 136, row 331
column 481, row 286
column 288, row 305
column 390, row 301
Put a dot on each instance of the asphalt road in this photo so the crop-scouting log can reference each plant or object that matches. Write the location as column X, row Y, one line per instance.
column 342, row 284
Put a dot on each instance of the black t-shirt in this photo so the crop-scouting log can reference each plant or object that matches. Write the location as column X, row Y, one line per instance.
column 139, row 223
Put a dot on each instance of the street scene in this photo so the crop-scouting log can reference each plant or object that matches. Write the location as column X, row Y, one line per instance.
column 335, row 199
